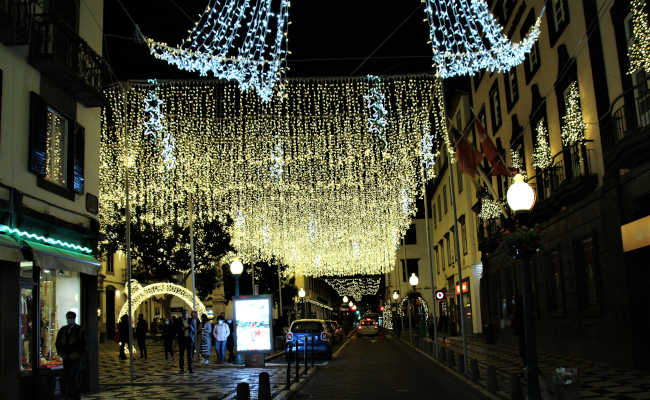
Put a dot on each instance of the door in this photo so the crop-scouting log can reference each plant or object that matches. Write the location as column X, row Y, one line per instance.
column 639, row 324
column 110, row 312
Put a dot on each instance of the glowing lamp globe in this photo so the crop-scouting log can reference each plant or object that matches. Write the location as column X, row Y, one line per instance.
column 345, row 299
column 236, row 267
column 521, row 197
column 301, row 293
column 413, row 280
column 350, row 304
column 395, row 295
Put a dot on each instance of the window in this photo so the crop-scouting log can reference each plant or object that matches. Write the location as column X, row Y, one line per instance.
column 60, row 292
column 448, row 249
column 556, row 294
column 512, row 87
column 444, row 195
column 435, row 220
column 460, row 178
column 558, row 12
column 495, row 107
column 411, row 235
column 110, row 263
column 441, row 258
column 532, row 61
column 410, row 268
column 56, row 149
column 435, row 258
column 463, row 233
column 439, row 209
column 482, row 116
column 459, row 122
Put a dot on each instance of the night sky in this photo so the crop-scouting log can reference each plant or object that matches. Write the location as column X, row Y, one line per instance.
column 326, row 38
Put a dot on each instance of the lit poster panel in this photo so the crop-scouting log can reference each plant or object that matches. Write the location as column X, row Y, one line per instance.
column 253, row 323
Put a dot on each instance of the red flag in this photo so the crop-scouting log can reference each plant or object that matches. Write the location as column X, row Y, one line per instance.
column 490, row 152
column 467, row 156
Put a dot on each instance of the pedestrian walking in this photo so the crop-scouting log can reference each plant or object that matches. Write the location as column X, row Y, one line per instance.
column 123, row 332
column 220, row 334
column 71, row 346
column 168, row 339
column 186, row 333
column 206, row 338
column 230, row 342
column 141, row 336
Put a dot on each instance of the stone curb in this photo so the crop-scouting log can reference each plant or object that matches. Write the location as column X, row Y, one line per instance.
column 468, row 381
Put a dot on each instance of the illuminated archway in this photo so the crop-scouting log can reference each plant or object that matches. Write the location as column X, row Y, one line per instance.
column 423, row 302
column 142, row 293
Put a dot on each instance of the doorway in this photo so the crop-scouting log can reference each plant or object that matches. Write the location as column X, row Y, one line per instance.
column 639, row 280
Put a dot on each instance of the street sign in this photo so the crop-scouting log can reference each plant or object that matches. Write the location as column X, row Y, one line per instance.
column 440, row 295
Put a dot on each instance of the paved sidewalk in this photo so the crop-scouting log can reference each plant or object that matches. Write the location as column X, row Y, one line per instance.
column 597, row 380
column 154, row 379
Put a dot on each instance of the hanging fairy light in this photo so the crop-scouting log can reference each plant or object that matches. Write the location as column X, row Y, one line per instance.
column 300, row 177
column 466, row 38
column 638, row 50
column 573, row 126
column 542, row 157
column 387, row 317
column 517, row 163
column 240, row 40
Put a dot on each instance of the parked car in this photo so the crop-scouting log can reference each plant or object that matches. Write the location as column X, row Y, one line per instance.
column 368, row 327
column 337, row 330
column 316, row 330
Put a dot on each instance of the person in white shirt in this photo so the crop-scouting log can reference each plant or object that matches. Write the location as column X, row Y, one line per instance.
column 220, row 334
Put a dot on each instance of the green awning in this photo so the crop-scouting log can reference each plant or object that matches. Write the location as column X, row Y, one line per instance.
column 10, row 249
column 51, row 257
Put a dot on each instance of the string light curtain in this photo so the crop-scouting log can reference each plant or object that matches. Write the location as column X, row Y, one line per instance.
column 355, row 287
column 241, row 40
column 301, row 177
column 466, row 38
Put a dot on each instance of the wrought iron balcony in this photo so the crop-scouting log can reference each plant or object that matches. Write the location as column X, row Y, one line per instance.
column 65, row 58
column 626, row 128
column 15, row 21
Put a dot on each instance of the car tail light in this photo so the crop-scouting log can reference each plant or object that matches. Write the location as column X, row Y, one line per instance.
column 324, row 337
column 289, row 336
column 359, row 328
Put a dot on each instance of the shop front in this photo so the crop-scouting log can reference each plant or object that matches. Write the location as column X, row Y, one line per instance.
column 40, row 283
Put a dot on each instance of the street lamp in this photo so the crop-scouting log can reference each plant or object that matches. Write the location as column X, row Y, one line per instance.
column 345, row 299
column 521, row 198
column 350, row 304
column 395, row 295
column 413, row 281
column 236, row 268
column 301, row 294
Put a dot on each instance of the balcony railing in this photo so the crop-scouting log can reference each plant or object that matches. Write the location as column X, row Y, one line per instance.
column 60, row 54
column 626, row 127
column 15, row 21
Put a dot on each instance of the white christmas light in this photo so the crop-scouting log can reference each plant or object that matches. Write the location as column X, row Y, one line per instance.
column 542, row 157
column 639, row 49
column 355, row 288
column 573, row 127
column 140, row 294
column 466, row 38
column 387, row 317
column 517, row 162
column 490, row 209
column 240, row 40
column 375, row 100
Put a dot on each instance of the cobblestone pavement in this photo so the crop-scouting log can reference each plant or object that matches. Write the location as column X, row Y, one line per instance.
column 382, row 368
column 597, row 380
column 155, row 379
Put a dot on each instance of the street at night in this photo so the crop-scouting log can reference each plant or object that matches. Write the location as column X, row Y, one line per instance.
column 291, row 199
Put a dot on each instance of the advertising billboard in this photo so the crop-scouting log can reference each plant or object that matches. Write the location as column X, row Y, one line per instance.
column 253, row 323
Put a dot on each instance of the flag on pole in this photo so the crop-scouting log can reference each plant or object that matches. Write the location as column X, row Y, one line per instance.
column 467, row 156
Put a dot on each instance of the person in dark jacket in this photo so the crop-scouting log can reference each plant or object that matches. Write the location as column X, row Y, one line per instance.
column 168, row 337
column 186, row 332
column 71, row 346
column 141, row 336
column 230, row 342
column 123, row 330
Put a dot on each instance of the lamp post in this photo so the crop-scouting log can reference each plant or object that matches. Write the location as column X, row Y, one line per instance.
column 345, row 299
column 236, row 268
column 521, row 199
column 301, row 294
column 413, row 281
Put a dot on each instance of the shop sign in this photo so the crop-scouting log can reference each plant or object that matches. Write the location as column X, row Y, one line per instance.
column 253, row 326
column 465, row 287
column 440, row 295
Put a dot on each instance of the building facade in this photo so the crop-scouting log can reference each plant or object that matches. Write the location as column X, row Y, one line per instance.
column 51, row 76
column 575, row 122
